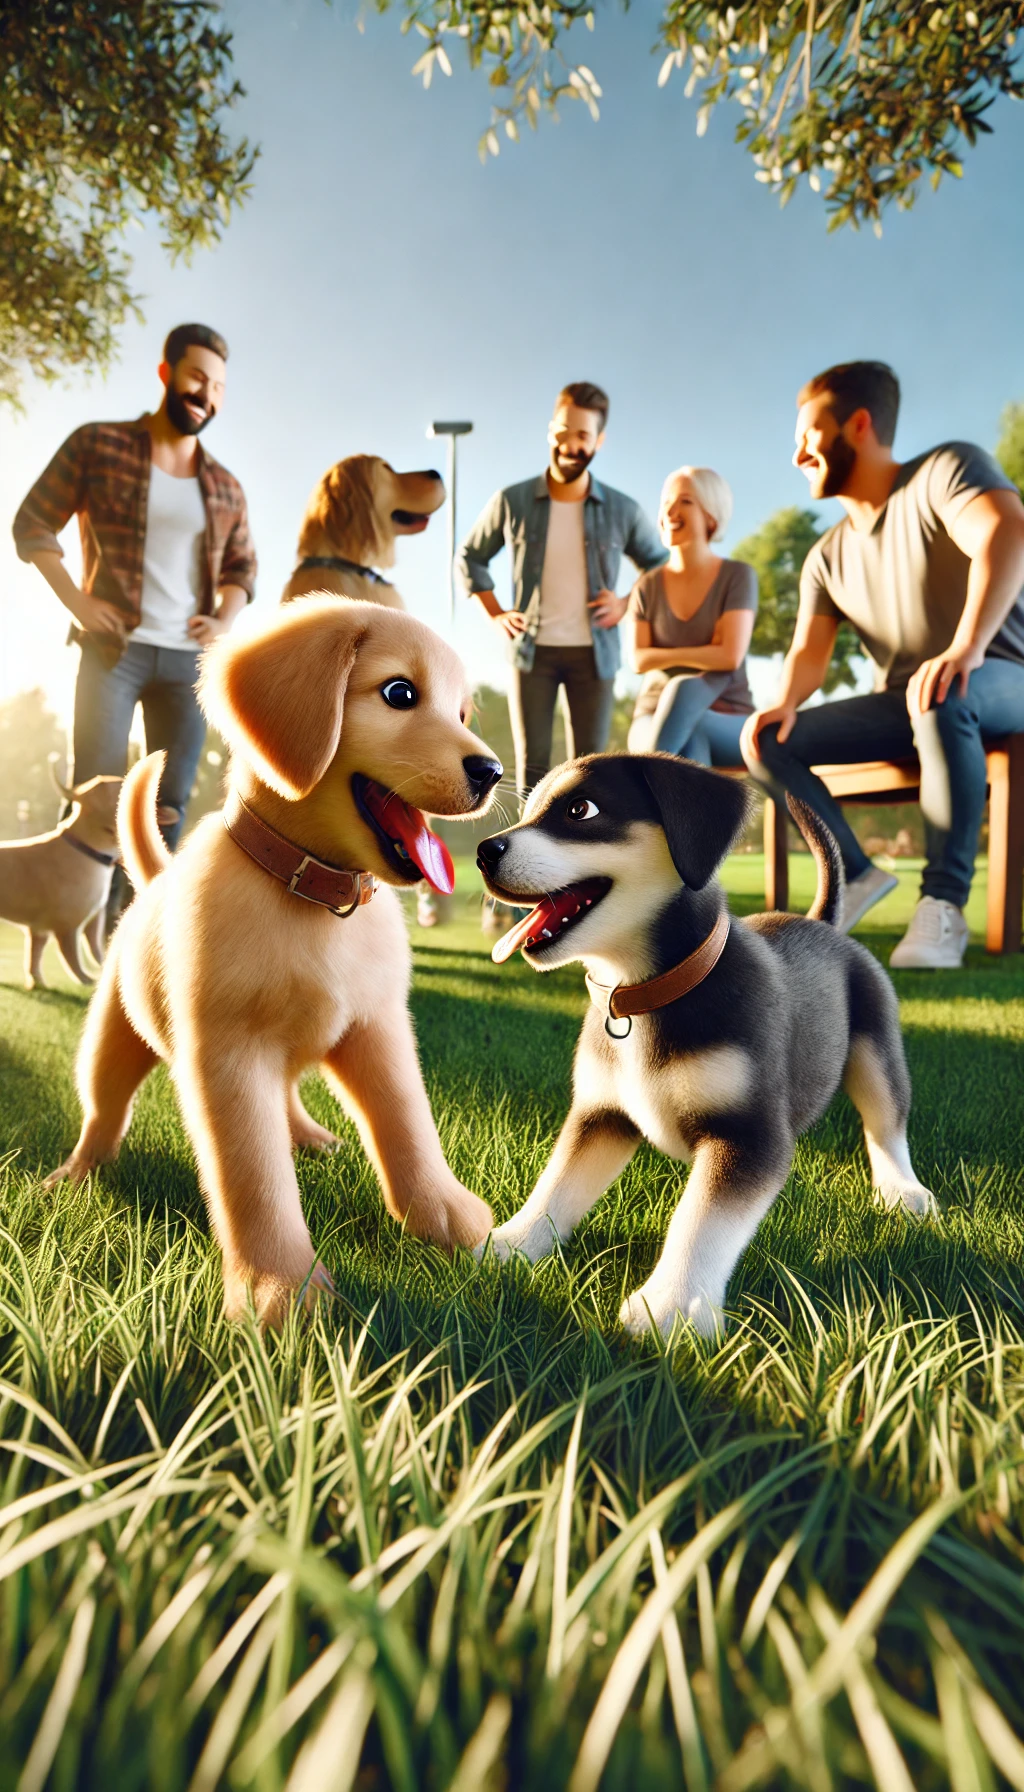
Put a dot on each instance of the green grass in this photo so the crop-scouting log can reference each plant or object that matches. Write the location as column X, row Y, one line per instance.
column 457, row 1532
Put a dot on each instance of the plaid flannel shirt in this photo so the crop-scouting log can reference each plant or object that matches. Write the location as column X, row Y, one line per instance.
column 101, row 475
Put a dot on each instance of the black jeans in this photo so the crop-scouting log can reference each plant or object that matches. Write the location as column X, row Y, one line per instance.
column 531, row 704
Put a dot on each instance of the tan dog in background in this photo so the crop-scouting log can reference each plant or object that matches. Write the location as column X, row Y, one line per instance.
column 59, row 882
column 240, row 985
column 352, row 519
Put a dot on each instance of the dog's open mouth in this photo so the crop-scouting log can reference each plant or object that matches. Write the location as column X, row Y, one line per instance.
column 552, row 918
column 407, row 842
column 412, row 521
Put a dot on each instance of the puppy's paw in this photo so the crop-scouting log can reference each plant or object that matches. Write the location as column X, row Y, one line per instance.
column 919, row 1202
column 654, row 1308
column 469, row 1220
column 272, row 1295
column 311, row 1137
column 913, row 1197
column 319, row 1283
column 74, row 1169
column 532, row 1239
column 450, row 1217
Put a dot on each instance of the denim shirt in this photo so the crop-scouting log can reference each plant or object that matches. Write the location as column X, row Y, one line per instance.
column 517, row 518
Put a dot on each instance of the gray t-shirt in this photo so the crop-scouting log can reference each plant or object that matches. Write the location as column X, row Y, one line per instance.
column 903, row 585
column 734, row 588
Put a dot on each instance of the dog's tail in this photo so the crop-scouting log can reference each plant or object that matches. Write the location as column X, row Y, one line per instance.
column 142, row 846
column 828, row 897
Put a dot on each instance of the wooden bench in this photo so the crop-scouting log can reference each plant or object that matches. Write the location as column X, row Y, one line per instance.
column 899, row 781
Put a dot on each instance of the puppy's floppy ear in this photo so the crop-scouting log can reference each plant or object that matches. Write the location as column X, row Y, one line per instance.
column 701, row 813
column 278, row 697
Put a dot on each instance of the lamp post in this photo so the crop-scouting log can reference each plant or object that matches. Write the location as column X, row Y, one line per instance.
column 452, row 431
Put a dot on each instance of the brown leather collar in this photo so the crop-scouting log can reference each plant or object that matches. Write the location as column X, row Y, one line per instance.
column 340, row 891
column 627, row 999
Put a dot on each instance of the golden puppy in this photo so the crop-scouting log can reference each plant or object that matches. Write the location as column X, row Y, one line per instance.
column 243, row 965
column 59, row 882
column 357, row 509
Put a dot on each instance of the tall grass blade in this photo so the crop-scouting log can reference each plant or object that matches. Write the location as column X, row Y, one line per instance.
column 58, row 1705
column 329, row 1761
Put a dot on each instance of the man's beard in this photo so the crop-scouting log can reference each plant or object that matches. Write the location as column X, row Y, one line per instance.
column 572, row 466
column 840, row 459
column 183, row 420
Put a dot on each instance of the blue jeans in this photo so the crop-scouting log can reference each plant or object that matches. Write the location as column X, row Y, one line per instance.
column 950, row 744
column 163, row 680
column 686, row 724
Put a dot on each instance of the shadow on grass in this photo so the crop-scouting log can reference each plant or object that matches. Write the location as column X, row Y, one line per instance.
column 37, row 1086
column 499, row 1079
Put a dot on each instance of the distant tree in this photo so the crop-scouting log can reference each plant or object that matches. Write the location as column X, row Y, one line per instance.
column 1010, row 452
column 32, row 745
column 861, row 96
column 777, row 552
column 109, row 114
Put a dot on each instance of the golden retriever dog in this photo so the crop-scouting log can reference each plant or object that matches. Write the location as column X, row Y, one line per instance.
column 242, row 965
column 59, row 882
column 352, row 519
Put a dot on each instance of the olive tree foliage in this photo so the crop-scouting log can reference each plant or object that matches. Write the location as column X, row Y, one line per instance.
column 1010, row 452
column 777, row 552
column 109, row 113
column 863, row 97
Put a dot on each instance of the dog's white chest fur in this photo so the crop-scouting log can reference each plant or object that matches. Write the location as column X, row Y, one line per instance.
column 660, row 1098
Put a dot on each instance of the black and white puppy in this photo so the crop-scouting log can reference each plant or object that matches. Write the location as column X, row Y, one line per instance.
column 619, row 853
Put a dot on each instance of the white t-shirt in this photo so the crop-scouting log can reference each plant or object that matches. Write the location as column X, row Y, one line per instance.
column 172, row 560
column 564, row 617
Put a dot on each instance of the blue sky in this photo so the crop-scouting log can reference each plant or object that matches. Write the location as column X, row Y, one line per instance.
column 381, row 276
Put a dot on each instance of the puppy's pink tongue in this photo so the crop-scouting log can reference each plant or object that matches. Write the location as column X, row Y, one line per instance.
column 532, row 927
column 406, row 826
column 551, row 915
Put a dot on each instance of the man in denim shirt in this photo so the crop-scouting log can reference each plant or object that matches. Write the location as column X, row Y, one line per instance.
column 566, row 535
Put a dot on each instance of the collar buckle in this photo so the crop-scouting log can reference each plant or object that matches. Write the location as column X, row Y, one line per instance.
column 298, row 874
column 365, row 885
column 602, row 997
column 312, row 879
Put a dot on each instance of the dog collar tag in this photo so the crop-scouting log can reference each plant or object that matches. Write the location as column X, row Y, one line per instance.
column 626, row 999
column 617, row 1026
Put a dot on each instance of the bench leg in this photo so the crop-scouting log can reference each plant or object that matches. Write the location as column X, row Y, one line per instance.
column 1005, row 846
column 776, row 855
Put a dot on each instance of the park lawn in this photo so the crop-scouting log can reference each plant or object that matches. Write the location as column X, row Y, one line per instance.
column 456, row 1531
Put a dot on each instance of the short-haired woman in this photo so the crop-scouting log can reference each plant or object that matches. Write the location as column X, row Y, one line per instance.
column 692, row 623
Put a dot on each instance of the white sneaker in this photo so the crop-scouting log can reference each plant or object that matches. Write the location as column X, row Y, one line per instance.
column 935, row 939
column 863, row 892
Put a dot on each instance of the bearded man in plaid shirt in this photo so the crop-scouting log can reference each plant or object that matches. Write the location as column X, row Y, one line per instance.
column 167, row 564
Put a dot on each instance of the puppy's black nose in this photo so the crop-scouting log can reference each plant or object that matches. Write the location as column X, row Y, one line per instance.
column 430, row 473
column 490, row 853
column 482, row 774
